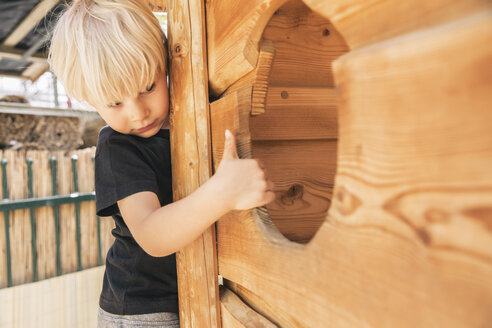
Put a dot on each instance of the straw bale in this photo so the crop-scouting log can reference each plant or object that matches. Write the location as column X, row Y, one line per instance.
column 57, row 133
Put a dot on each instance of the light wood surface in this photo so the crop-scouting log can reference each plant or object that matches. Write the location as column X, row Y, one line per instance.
column 297, row 113
column 363, row 22
column 306, row 44
column 300, row 104
column 70, row 300
column 302, row 170
column 262, row 73
column 191, row 160
column 35, row 70
column 158, row 5
column 297, row 32
column 234, row 29
column 236, row 314
column 231, row 112
column 406, row 242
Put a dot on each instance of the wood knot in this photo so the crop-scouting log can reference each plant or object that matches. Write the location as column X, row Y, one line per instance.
column 347, row 203
column 284, row 94
column 326, row 32
column 294, row 193
column 179, row 50
column 424, row 236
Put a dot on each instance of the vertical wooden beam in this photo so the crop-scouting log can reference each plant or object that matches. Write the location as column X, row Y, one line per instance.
column 191, row 160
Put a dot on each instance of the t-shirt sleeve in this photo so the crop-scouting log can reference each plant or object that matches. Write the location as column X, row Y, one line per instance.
column 120, row 171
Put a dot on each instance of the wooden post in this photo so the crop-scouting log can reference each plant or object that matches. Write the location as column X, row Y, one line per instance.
column 191, row 160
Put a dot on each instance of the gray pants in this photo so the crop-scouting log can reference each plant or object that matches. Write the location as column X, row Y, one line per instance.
column 163, row 320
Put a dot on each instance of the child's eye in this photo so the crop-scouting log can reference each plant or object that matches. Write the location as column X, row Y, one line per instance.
column 114, row 104
column 151, row 88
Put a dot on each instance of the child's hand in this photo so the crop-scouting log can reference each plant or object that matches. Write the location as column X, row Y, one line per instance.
column 243, row 182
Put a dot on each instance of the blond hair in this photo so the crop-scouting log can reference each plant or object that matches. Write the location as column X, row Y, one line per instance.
column 104, row 50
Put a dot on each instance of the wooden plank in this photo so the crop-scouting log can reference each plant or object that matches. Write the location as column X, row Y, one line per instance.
column 158, row 5
column 234, row 29
column 364, row 22
column 88, row 220
column 15, row 53
column 262, row 73
column 407, row 240
column 237, row 314
column 297, row 113
column 231, row 112
column 68, row 240
column 264, row 308
column 70, row 300
column 3, row 238
column 191, row 161
column 29, row 22
column 35, row 70
column 20, row 225
column 45, row 223
column 305, row 46
column 303, row 172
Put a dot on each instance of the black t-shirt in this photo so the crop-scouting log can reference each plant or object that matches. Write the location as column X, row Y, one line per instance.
column 134, row 282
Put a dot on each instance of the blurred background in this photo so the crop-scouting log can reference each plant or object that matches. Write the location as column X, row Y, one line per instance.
column 52, row 244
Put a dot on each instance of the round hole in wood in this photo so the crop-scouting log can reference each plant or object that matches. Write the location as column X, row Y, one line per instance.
column 297, row 135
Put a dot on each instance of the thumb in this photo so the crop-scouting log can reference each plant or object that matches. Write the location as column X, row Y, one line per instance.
column 230, row 151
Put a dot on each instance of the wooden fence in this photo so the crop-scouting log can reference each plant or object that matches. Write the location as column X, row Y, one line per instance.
column 55, row 230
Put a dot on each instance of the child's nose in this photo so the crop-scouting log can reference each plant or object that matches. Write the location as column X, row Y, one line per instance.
column 139, row 111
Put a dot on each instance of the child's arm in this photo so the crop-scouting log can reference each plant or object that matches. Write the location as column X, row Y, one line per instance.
column 237, row 184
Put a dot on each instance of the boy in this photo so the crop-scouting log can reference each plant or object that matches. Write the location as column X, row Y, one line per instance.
column 111, row 54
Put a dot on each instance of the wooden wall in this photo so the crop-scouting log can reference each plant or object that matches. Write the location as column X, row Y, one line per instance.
column 374, row 120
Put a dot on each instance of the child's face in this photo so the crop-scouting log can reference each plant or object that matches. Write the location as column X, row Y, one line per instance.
column 143, row 115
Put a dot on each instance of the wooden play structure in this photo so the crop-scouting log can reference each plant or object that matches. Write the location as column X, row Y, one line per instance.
column 374, row 120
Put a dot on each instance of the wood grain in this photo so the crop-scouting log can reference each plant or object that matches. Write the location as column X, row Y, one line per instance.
column 303, row 173
column 297, row 113
column 236, row 314
column 306, row 44
column 407, row 240
column 262, row 74
column 191, row 161
column 158, row 5
column 302, row 170
column 231, row 112
column 363, row 22
column 234, row 30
